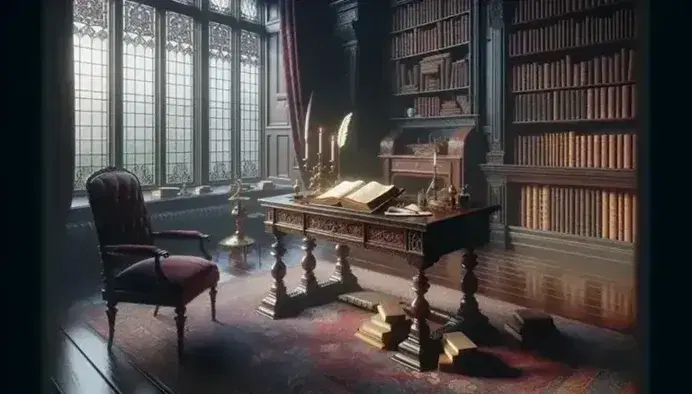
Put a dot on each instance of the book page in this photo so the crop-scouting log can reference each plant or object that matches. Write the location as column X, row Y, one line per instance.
column 341, row 190
column 369, row 192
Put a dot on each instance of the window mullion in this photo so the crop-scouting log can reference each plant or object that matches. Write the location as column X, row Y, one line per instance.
column 160, row 79
column 201, row 132
column 235, row 105
column 116, row 84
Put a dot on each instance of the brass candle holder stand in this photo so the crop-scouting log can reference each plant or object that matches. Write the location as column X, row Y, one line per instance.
column 238, row 244
column 445, row 199
column 321, row 175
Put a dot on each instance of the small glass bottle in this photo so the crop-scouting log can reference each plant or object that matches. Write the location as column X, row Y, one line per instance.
column 422, row 202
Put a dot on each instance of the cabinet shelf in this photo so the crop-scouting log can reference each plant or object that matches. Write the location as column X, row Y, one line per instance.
column 570, row 14
column 432, row 91
column 448, row 47
column 571, row 49
column 568, row 176
column 600, row 85
column 573, row 121
column 432, row 22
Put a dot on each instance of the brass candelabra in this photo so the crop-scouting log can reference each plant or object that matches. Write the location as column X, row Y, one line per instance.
column 321, row 175
column 238, row 244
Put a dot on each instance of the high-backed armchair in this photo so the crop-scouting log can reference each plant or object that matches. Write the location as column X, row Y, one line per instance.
column 150, row 275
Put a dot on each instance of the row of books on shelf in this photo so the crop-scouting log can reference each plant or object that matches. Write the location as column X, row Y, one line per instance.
column 604, row 103
column 426, row 11
column 608, row 214
column 435, row 106
column 568, row 33
column 613, row 68
column 432, row 73
column 530, row 10
column 617, row 150
column 442, row 35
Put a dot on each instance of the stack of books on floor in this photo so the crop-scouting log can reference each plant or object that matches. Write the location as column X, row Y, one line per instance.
column 455, row 345
column 531, row 327
column 387, row 328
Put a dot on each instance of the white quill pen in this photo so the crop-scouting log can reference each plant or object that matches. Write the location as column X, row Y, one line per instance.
column 306, row 132
column 342, row 134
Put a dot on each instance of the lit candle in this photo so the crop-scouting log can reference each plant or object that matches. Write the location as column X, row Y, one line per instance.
column 333, row 158
column 307, row 144
column 319, row 140
column 434, row 158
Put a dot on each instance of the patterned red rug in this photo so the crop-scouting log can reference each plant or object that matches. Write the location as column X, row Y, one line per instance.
column 315, row 352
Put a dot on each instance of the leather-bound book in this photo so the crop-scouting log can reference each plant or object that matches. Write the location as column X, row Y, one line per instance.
column 635, row 229
column 612, row 149
column 588, row 213
column 545, row 208
column 535, row 204
column 621, row 216
column 620, row 150
column 598, row 227
column 627, row 151
column 572, row 149
column 605, row 215
column 612, row 215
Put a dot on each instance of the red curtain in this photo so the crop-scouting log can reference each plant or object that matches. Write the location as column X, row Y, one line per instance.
column 292, row 69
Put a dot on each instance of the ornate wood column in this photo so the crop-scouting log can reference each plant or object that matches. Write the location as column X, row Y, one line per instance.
column 496, row 108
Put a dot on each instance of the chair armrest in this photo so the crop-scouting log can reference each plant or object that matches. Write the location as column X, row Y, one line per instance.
column 187, row 234
column 181, row 234
column 135, row 250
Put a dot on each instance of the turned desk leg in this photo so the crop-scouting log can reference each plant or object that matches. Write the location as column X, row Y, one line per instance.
column 469, row 317
column 275, row 304
column 308, row 283
column 342, row 270
column 419, row 351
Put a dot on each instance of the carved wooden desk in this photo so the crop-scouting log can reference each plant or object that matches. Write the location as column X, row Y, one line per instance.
column 421, row 241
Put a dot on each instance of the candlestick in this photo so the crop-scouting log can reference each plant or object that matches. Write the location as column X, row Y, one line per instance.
column 319, row 140
column 333, row 153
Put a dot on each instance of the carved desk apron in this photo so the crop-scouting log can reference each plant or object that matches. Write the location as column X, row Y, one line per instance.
column 421, row 241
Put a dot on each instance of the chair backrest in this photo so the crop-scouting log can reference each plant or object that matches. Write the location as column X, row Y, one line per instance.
column 117, row 205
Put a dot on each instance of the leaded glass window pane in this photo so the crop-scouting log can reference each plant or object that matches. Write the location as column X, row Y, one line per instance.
column 90, row 30
column 222, row 6
column 220, row 103
column 249, row 104
column 139, row 110
column 179, row 99
column 249, row 9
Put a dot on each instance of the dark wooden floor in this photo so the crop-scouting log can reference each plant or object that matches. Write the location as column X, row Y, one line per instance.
column 88, row 368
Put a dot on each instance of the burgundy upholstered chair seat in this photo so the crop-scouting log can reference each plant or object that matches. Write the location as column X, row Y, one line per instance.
column 184, row 277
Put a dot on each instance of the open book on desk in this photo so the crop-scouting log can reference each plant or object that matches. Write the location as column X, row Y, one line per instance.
column 358, row 195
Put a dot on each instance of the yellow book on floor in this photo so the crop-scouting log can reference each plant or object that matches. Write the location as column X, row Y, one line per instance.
column 391, row 312
column 450, row 352
column 445, row 364
column 459, row 342
column 375, row 330
column 369, row 340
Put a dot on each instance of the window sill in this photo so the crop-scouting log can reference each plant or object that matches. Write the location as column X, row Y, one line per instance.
column 219, row 196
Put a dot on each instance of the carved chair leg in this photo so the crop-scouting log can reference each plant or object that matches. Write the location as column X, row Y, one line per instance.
column 212, row 298
column 180, row 326
column 111, row 311
column 156, row 311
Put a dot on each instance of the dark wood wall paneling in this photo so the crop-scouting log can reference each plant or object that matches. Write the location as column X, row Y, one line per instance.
column 584, row 278
column 280, row 157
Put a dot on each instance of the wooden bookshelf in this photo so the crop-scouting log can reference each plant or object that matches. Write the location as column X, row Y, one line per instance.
column 431, row 63
column 571, row 140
